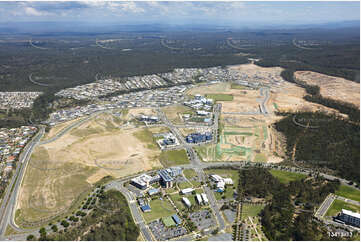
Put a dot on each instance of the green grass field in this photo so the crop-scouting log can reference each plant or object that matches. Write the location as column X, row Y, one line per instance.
column 285, row 176
column 348, row 192
column 177, row 199
column 146, row 136
column 227, row 194
column 220, row 97
column 184, row 185
column 173, row 158
column 171, row 190
column 337, row 205
column 260, row 157
column 168, row 221
column 160, row 209
column 237, row 86
column 251, row 210
column 237, row 133
column 189, row 174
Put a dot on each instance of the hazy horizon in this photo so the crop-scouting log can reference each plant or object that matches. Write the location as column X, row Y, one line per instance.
column 234, row 13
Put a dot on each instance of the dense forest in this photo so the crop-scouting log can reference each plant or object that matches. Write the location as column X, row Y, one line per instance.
column 329, row 141
column 314, row 95
column 334, row 143
column 111, row 220
column 59, row 61
column 288, row 216
column 63, row 61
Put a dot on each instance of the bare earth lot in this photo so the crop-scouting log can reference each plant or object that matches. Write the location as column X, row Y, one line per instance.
column 332, row 87
column 60, row 171
column 250, row 135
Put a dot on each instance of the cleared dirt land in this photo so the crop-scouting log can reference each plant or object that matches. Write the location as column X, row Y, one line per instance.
column 243, row 100
column 174, row 113
column 332, row 87
column 244, row 138
column 249, row 135
column 60, row 171
column 252, row 72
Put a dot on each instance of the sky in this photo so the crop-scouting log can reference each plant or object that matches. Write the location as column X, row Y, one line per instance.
column 178, row 13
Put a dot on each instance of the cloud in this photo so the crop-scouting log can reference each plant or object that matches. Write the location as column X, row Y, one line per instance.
column 127, row 7
column 30, row 11
column 173, row 11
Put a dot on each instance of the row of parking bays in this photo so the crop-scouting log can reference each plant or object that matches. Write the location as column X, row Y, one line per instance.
column 161, row 232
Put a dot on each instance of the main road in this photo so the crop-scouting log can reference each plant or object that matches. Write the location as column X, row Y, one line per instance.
column 70, row 127
column 9, row 202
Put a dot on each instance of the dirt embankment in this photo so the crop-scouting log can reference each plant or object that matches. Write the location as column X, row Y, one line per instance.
column 336, row 88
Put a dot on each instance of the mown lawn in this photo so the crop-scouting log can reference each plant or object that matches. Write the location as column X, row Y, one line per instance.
column 286, row 176
column 160, row 208
column 228, row 193
column 338, row 205
column 220, row 97
column 251, row 210
column 237, row 86
column 260, row 157
column 146, row 136
column 348, row 192
column 177, row 199
column 184, row 185
column 173, row 158
column 189, row 174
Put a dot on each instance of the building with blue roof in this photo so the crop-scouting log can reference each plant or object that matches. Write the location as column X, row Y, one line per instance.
column 198, row 137
column 174, row 171
column 166, row 180
column 146, row 208
column 176, row 219
column 219, row 190
column 151, row 192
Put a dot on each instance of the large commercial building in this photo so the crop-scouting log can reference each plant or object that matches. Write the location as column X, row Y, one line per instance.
column 174, row 171
column 198, row 137
column 166, row 180
column 142, row 181
column 350, row 217
column 164, row 177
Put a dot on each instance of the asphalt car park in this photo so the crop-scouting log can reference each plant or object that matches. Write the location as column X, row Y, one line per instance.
column 161, row 232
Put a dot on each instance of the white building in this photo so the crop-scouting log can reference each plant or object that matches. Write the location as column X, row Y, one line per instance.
column 228, row 181
column 186, row 202
column 187, row 191
column 202, row 113
column 350, row 217
column 205, row 199
column 216, row 178
column 199, row 199
column 141, row 181
column 221, row 184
